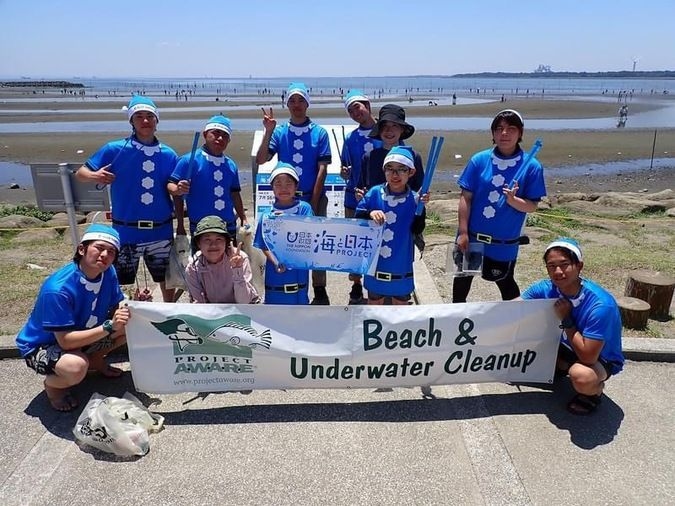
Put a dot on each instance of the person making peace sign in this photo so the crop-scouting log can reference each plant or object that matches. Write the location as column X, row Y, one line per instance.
column 220, row 271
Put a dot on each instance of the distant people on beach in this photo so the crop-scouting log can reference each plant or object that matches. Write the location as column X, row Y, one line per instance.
column 623, row 116
column 77, row 319
column 499, row 186
column 138, row 169
column 357, row 143
column 304, row 145
column 208, row 180
column 590, row 342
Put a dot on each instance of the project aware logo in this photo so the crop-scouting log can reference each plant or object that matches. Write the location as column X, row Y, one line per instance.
column 230, row 335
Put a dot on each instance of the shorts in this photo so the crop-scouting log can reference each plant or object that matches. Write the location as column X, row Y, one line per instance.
column 155, row 255
column 101, row 345
column 44, row 359
column 497, row 270
column 570, row 357
column 377, row 296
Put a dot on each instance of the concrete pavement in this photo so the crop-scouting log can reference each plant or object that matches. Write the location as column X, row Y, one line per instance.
column 462, row 444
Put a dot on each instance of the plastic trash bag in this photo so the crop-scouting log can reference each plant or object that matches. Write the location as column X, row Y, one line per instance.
column 178, row 260
column 119, row 426
column 470, row 263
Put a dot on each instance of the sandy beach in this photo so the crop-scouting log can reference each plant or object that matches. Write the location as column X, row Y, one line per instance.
column 575, row 161
column 565, row 155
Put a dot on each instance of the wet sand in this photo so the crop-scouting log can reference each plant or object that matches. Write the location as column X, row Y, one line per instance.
column 562, row 149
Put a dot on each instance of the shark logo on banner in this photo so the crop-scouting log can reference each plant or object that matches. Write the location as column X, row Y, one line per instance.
column 219, row 348
column 232, row 334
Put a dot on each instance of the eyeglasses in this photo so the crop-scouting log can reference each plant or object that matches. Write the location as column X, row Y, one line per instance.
column 398, row 172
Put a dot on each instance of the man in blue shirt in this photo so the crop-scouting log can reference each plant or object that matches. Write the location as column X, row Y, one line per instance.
column 211, row 183
column 357, row 143
column 590, row 347
column 304, row 145
column 137, row 169
column 77, row 320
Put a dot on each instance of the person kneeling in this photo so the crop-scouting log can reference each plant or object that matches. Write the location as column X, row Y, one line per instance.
column 590, row 342
column 219, row 272
column 68, row 332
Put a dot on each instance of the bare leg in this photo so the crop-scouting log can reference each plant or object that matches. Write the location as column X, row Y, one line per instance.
column 167, row 293
column 70, row 370
column 97, row 360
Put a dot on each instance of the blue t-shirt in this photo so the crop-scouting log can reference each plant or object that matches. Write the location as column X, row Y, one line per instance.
column 485, row 176
column 289, row 276
column 302, row 146
column 397, row 248
column 357, row 143
column 212, row 182
column 139, row 189
column 595, row 314
column 68, row 300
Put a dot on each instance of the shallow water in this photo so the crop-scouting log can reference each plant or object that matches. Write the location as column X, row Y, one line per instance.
column 20, row 174
column 661, row 118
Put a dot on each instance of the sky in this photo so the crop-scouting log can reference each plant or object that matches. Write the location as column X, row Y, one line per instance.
column 320, row 38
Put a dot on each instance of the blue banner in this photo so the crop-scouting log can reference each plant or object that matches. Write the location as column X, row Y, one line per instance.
column 327, row 244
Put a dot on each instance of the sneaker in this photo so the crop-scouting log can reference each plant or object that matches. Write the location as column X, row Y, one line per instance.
column 356, row 294
column 320, row 297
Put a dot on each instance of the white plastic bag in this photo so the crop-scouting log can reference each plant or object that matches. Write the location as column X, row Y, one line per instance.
column 119, row 426
column 178, row 260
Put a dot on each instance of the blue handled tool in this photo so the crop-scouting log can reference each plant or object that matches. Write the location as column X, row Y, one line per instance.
column 432, row 160
column 195, row 141
column 526, row 160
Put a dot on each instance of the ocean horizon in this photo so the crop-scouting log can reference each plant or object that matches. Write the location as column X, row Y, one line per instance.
column 411, row 85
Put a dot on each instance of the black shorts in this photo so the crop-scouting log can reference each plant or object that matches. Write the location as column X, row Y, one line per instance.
column 570, row 357
column 44, row 359
column 376, row 296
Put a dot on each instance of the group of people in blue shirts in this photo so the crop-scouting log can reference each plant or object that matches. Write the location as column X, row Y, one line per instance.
column 78, row 319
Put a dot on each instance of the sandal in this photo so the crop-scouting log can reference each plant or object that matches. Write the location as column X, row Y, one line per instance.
column 582, row 404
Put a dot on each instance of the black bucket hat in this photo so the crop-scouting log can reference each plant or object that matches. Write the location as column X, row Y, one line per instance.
column 395, row 114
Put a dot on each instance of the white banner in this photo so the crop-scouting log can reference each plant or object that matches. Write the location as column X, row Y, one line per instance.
column 329, row 244
column 215, row 347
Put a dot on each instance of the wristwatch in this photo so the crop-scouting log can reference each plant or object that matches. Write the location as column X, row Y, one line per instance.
column 108, row 326
column 567, row 323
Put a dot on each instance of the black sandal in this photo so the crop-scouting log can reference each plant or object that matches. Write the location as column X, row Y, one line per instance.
column 582, row 404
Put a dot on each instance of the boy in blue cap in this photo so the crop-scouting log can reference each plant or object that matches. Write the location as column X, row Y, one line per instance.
column 393, row 204
column 304, row 145
column 283, row 286
column 137, row 169
column 357, row 143
column 77, row 320
column 211, row 184
column 590, row 340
